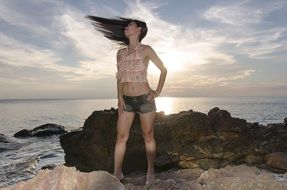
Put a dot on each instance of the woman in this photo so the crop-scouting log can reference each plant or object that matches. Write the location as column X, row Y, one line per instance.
column 134, row 93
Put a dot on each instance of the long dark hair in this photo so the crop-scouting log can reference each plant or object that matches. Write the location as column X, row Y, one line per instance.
column 114, row 28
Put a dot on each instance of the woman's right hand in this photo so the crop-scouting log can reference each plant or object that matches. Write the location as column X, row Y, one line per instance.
column 121, row 105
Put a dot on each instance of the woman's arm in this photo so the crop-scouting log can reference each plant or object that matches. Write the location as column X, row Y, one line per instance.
column 120, row 89
column 119, row 85
column 163, row 71
column 121, row 103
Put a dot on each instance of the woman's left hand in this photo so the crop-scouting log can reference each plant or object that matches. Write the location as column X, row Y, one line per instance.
column 152, row 95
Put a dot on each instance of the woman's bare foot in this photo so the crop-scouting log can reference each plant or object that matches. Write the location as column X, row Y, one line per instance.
column 119, row 176
column 150, row 178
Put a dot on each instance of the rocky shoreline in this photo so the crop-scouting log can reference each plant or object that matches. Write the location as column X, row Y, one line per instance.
column 195, row 151
column 184, row 140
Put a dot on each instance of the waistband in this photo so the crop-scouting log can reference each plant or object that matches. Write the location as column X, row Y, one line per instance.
column 138, row 95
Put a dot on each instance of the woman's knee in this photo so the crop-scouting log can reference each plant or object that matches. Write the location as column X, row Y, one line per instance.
column 148, row 137
column 122, row 138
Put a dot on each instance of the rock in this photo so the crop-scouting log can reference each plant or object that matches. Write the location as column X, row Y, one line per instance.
column 186, row 161
column 213, row 112
column 93, row 147
column 41, row 131
column 172, row 179
column 277, row 160
column 222, row 121
column 166, row 160
column 251, row 159
column 188, row 174
column 285, row 121
column 23, row 133
column 206, row 163
column 187, row 139
column 187, row 164
column 66, row 178
column 239, row 178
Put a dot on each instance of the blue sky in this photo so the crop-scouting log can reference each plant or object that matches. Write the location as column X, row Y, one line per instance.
column 211, row 48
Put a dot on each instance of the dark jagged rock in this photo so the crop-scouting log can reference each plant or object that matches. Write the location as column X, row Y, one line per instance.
column 23, row 133
column 188, row 139
column 41, row 131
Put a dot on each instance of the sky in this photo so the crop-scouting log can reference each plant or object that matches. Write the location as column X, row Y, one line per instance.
column 48, row 49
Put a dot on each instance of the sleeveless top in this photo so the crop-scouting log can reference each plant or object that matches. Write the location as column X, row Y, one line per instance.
column 130, row 66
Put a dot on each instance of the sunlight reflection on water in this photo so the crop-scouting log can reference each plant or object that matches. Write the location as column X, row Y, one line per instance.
column 71, row 113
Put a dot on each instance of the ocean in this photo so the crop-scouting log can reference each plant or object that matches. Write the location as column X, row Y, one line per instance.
column 25, row 157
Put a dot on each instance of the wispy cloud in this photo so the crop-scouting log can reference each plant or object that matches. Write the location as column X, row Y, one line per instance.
column 15, row 53
column 210, row 80
column 234, row 15
column 240, row 14
column 14, row 16
column 246, row 34
column 73, row 30
column 262, row 44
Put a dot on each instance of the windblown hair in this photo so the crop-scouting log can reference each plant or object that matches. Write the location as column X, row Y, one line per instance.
column 114, row 28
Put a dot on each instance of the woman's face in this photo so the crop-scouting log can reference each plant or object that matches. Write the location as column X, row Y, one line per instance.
column 132, row 29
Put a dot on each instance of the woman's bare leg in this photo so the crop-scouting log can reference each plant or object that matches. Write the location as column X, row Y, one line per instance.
column 147, row 126
column 124, row 124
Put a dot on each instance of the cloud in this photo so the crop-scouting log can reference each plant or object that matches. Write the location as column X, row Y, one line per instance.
column 17, row 53
column 70, row 51
column 97, row 54
column 234, row 15
column 262, row 44
column 240, row 14
column 246, row 34
column 178, row 44
column 25, row 20
column 209, row 80
column 94, row 50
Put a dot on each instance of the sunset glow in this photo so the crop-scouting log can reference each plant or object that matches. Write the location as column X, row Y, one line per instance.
column 210, row 48
column 164, row 104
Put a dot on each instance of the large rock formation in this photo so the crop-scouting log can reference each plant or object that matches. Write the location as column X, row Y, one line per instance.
column 186, row 140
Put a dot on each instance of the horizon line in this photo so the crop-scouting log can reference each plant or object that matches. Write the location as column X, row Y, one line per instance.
column 87, row 98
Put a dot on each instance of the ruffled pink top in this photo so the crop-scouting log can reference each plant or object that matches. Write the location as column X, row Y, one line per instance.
column 130, row 66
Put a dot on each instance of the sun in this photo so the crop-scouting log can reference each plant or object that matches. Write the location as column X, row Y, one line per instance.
column 172, row 60
column 165, row 104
